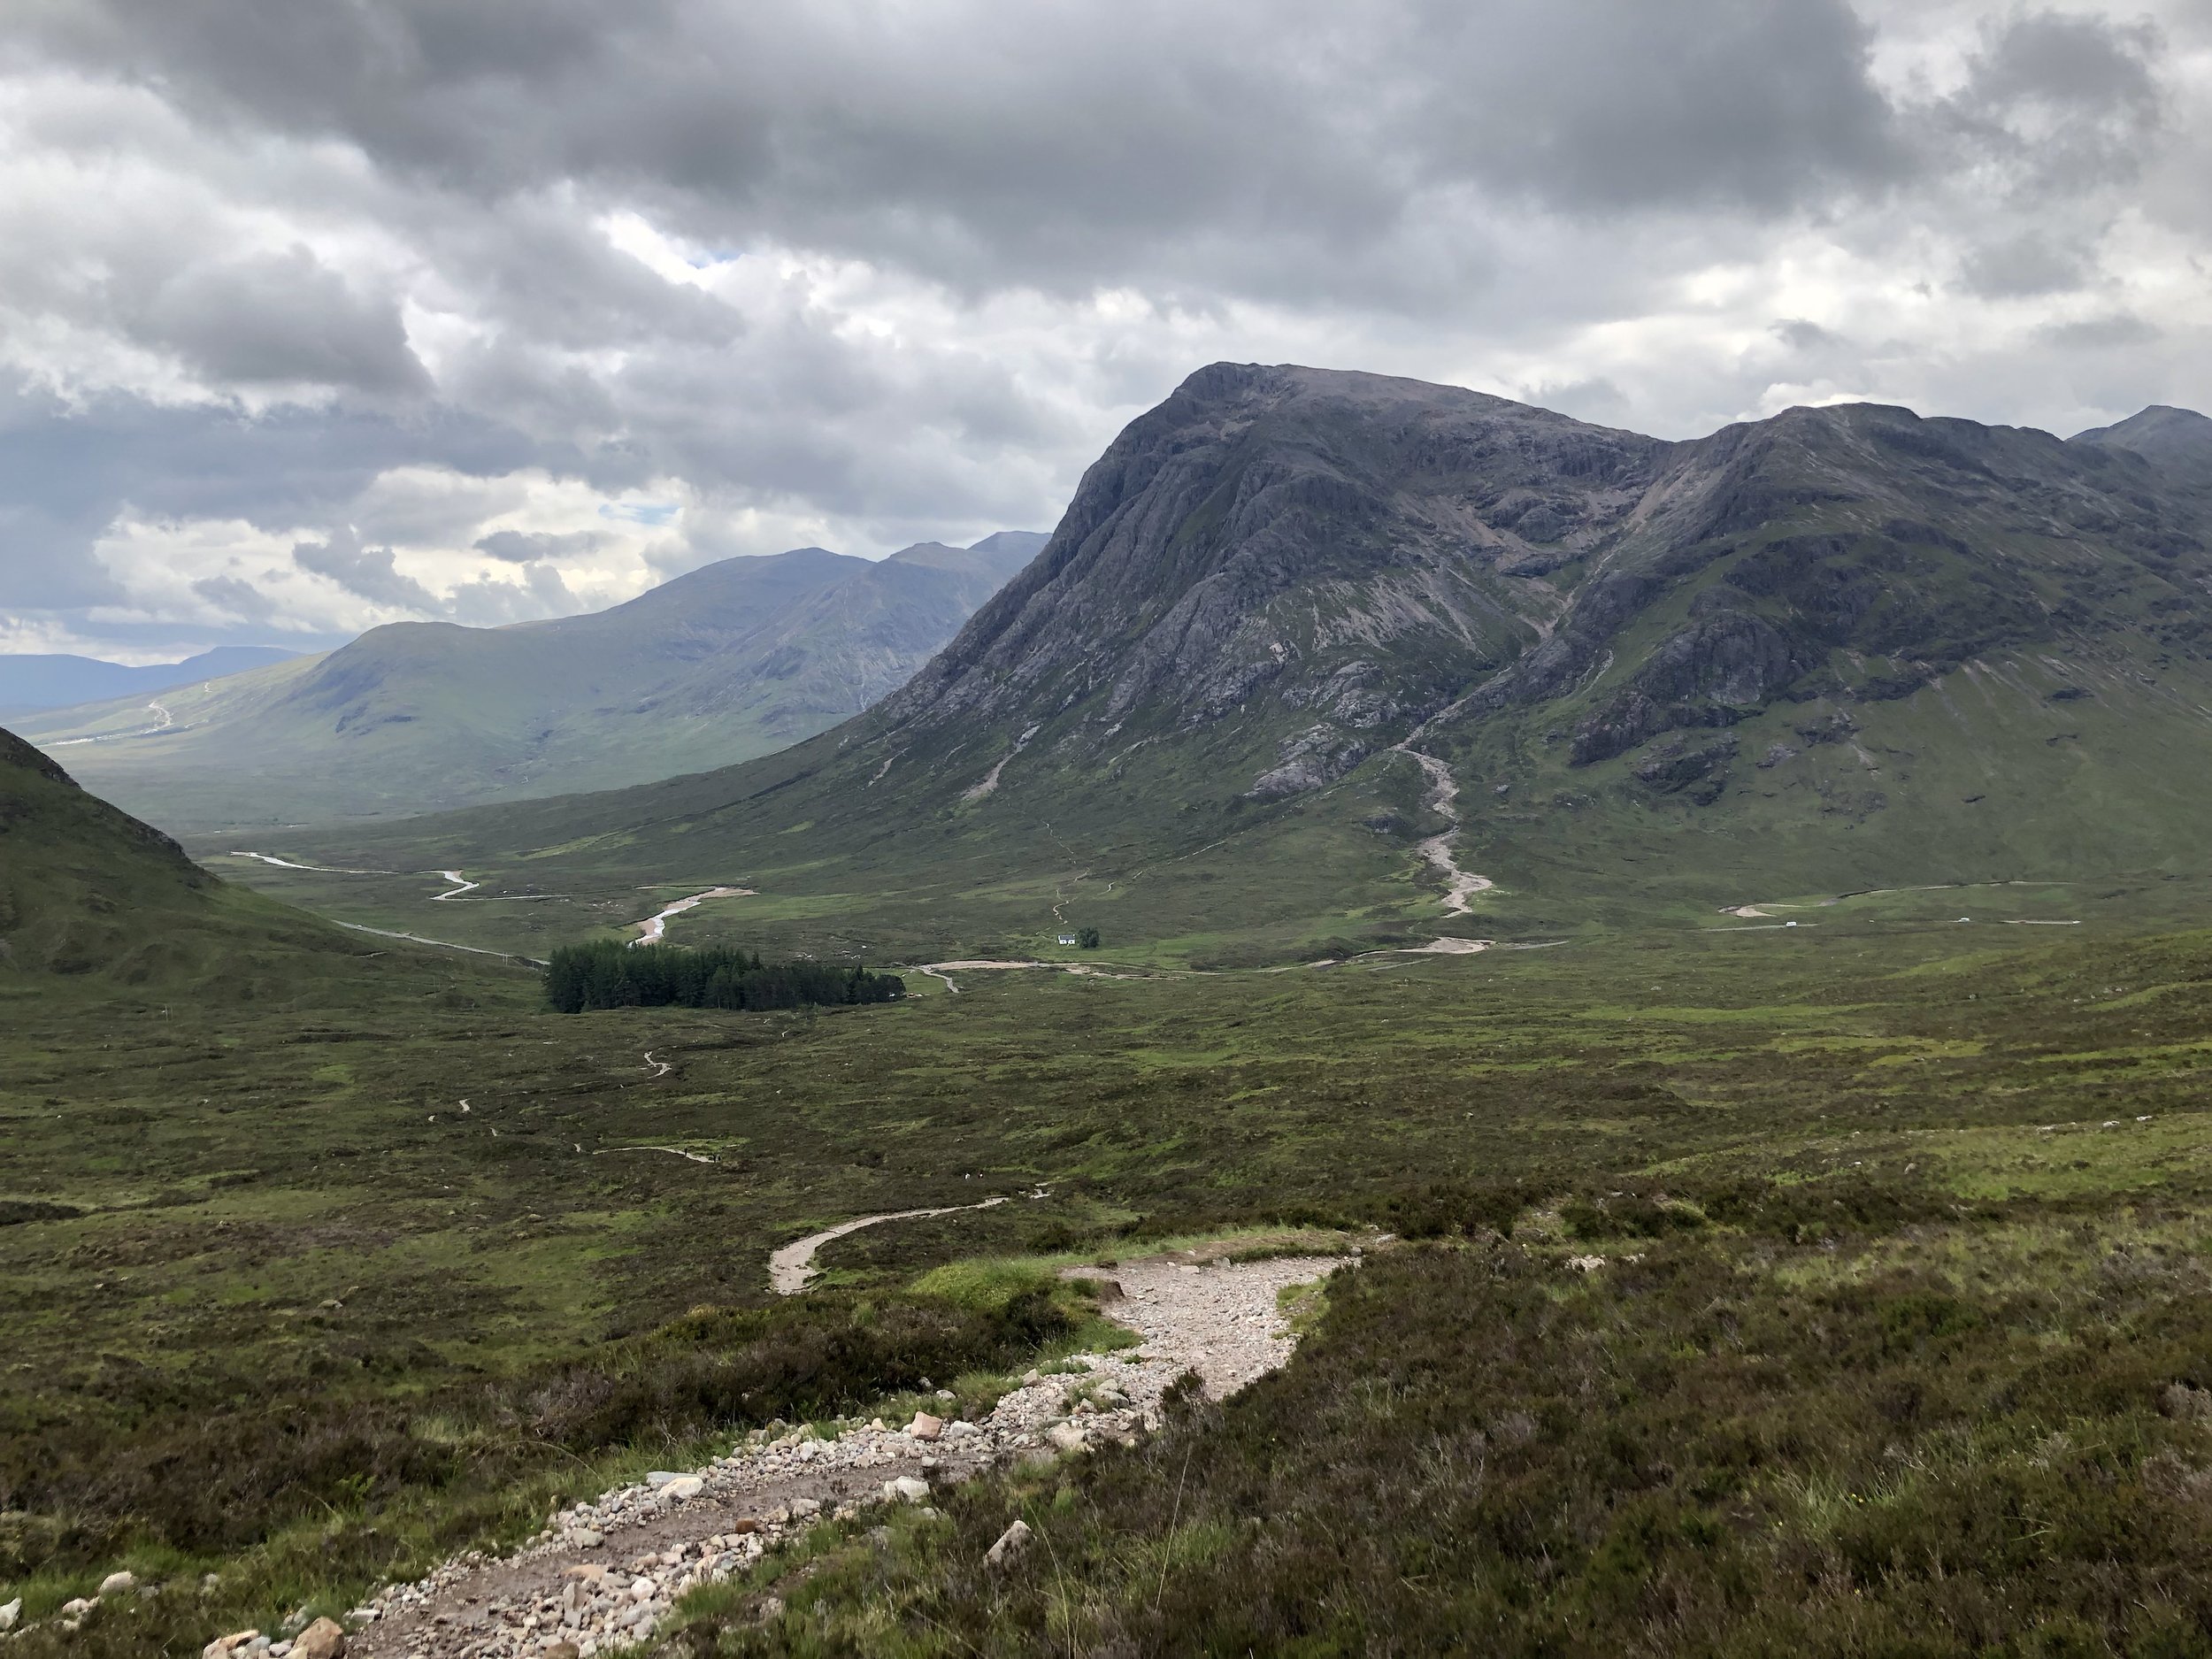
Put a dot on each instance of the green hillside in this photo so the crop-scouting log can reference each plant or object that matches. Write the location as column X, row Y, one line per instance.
column 1842, row 649
column 92, row 899
column 728, row 662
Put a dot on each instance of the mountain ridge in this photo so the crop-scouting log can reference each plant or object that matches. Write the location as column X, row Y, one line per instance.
column 1841, row 646
column 733, row 659
column 31, row 683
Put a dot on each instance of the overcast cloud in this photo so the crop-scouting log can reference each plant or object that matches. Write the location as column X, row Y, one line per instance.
column 313, row 316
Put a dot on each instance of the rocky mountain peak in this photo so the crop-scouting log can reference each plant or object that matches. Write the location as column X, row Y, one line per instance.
column 1348, row 549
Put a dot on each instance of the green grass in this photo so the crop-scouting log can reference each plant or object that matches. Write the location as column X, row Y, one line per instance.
column 233, row 1173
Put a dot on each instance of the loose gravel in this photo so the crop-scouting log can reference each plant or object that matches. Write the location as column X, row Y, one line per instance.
column 604, row 1574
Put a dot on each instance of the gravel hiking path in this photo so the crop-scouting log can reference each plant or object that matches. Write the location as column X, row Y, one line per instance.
column 1459, row 885
column 790, row 1268
column 603, row 1574
column 654, row 928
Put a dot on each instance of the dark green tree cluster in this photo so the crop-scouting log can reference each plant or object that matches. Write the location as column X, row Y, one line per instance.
column 607, row 974
column 1087, row 938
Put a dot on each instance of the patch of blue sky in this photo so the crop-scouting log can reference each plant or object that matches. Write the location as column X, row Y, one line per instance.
column 645, row 512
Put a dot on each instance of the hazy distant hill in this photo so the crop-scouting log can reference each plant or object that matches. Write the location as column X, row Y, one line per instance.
column 1845, row 647
column 33, row 683
column 727, row 662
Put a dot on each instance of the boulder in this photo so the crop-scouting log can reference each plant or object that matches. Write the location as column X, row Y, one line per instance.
column 584, row 1538
column 560, row 1650
column 925, row 1427
column 906, row 1488
column 12, row 1612
column 223, row 1647
column 119, row 1584
column 1011, row 1544
column 1066, row 1436
column 682, row 1488
column 76, row 1608
column 322, row 1639
column 661, row 1478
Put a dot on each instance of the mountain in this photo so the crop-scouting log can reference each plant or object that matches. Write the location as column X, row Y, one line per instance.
column 90, row 896
column 726, row 662
column 2178, row 443
column 1844, row 646
column 33, row 683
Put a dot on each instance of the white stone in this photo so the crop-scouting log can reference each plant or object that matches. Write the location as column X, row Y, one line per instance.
column 1066, row 1436
column 10, row 1613
column 1010, row 1543
column 684, row 1487
column 906, row 1488
column 119, row 1584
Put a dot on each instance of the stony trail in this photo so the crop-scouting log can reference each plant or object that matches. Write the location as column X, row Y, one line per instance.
column 790, row 1268
column 654, row 928
column 604, row 1573
column 1460, row 885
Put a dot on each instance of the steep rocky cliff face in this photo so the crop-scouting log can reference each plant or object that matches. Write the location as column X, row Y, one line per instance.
column 1347, row 551
column 1338, row 559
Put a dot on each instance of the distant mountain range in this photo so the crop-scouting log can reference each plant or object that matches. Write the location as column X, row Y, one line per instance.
column 29, row 683
column 731, row 661
column 1844, row 646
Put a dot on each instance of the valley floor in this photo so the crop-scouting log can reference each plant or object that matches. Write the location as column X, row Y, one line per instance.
column 1837, row 1287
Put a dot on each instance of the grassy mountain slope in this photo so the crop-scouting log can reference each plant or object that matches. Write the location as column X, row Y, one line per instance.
column 28, row 683
column 727, row 662
column 1838, row 649
column 92, row 898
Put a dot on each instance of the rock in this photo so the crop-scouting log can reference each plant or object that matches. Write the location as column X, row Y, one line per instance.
column 642, row 1590
column 1585, row 1264
column 1066, row 1436
column 76, row 1608
column 588, row 1572
column 561, row 1650
column 584, row 1538
column 660, row 1478
column 322, row 1639
column 10, row 1613
column 119, row 1584
column 924, row 1427
column 223, row 1647
column 684, row 1488
column 802, row 1508
column 1011, row 1544
column 906, row 1488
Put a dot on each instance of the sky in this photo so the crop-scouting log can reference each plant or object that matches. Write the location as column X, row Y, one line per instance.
column 318, row 317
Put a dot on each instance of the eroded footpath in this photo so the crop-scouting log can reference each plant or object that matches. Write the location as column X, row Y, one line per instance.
column 605, row 1574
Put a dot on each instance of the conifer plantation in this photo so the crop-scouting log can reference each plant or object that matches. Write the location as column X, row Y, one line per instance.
column 605, row 974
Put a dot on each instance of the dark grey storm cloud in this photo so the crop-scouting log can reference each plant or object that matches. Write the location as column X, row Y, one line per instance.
column 285, row 319
column 1068, row 143
column 370, row 573
column 522, row 547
